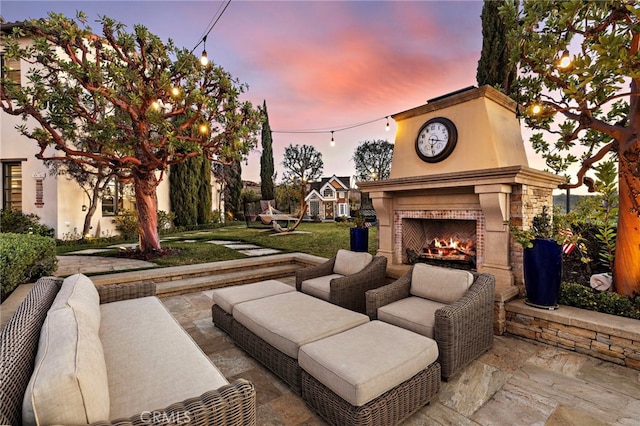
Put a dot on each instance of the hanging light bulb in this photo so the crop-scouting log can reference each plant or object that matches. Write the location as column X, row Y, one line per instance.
column 565, row 60
column 386, row 128
column 155, row 105
column 333, row 142
column 203, row 128
column 536, row 109
column 175, row 91
column 203, row 59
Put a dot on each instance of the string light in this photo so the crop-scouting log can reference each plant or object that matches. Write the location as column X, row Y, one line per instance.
column 175, row 91
column 565, row 60
column 203, row 59
column 325, row 130
column 203, row 128
column 387, row 127
column 536, row 109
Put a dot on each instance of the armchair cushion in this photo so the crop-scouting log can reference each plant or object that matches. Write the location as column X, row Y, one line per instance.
column 351, row 262
column 442, row 285
column 319, row 287
column 412, row 313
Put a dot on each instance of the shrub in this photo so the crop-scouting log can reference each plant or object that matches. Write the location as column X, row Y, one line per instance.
column 581, row 296
column 25, row 258
column 17, row 222
column 127, row 223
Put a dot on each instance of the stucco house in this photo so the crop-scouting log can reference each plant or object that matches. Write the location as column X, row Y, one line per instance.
column 28, row 186
column 329, row 198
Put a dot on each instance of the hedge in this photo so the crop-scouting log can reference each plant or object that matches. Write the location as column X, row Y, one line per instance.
column 584, row 297
column 24, row 258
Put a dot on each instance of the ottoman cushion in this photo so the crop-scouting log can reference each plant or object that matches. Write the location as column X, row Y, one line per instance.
column 289, row 320
column 362, row 363
column 227, row 297
column 319, row 287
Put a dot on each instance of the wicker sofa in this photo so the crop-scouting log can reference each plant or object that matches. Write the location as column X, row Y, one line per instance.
column 453, row 307
column 344, row 279
column 150, row 362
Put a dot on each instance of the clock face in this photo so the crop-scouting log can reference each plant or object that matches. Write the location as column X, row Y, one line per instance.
column 436, row 140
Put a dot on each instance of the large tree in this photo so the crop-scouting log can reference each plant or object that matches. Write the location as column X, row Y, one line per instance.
column 267, row 169
column 591, row 103
column 126, row 101
column 494, row 66
column 302, row 164
column 372, row 160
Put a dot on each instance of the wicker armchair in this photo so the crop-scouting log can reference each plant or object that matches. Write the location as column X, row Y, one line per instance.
column 349, row 290
column 463, row 329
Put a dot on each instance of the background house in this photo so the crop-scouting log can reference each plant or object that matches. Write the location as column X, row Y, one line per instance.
column 329, row 198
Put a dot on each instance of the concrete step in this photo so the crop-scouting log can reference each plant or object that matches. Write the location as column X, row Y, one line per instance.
column 224, row 279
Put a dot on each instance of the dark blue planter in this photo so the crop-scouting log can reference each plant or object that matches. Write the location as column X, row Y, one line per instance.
column 543, row 273
column 359, row 239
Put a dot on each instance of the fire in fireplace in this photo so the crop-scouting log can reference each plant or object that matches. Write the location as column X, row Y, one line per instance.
column 440, row 242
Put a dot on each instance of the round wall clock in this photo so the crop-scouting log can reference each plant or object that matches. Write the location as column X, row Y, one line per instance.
column 436, row 139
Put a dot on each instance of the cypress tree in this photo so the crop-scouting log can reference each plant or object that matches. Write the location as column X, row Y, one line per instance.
column 183, row 192
column 204, row 191
column 266, row 159
column 233, row 190
column 493, row 67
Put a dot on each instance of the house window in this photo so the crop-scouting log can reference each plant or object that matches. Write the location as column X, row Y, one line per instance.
column 10, row 69
column 342, row 209
column 12, row 185
column 117, row 198
column 328, row 193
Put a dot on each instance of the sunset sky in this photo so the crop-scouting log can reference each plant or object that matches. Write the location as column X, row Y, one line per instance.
column 320, row 65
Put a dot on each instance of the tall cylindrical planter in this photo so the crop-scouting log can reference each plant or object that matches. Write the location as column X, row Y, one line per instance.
column 543, row 273
column 359, row 239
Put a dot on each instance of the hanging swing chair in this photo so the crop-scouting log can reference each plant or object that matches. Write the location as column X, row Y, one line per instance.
column 271, row 216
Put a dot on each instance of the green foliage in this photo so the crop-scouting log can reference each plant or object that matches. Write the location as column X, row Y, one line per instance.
column 600, row 211
column 267, row 168
column 25, row 258
column 494, row 67
column 372, row 160
column 165, row 221
column 17, row 222
column 543, row 226
column 581, row 296
column 233, row 189
column 302, row 164
column 127, row 224
column 359, row 221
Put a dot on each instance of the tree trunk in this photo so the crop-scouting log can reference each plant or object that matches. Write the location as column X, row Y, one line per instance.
column 147, row 204
column 93, row 203
column 626, row 268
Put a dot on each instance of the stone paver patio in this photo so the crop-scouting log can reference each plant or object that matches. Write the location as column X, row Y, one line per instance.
column 517, row 382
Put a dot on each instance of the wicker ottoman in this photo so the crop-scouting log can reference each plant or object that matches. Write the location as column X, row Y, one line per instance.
column 224, row 299
column 272, row 329
column 374, row 374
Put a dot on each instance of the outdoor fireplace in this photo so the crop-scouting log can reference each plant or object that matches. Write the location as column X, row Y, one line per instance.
column 451, row 203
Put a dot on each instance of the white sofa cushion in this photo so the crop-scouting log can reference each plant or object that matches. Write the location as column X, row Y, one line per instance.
column 349, row 262
column 288, row 321
column 320, row 286
column 443, row 285
column 413, row 313
column 226, row 298
column 152, row 362
column 362, row 363
column 79, row 292
column 69, row 383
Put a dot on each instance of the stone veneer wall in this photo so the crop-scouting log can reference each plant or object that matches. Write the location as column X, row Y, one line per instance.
column 608, row 337
column 526, row 202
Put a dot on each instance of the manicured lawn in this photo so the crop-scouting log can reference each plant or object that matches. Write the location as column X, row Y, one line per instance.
column 320, row 239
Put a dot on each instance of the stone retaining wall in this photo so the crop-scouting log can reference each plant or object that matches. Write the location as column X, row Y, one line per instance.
column 602, row 336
